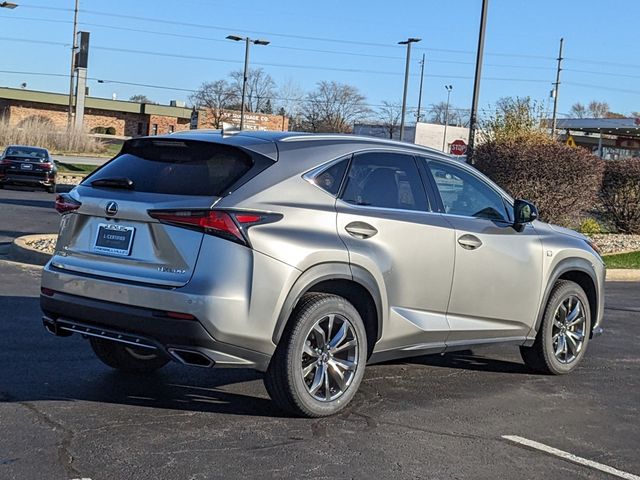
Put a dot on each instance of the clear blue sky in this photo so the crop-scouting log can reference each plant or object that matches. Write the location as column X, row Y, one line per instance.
column 601, row 46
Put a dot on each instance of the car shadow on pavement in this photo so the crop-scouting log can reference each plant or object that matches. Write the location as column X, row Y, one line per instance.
column 40, row 367
column 467, row 360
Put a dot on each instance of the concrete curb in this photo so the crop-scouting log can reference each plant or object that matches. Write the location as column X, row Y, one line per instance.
column 623, row 275
column 20, row 252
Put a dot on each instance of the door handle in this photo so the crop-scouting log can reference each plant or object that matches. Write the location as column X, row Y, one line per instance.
column 360, row 230
column 469, row 242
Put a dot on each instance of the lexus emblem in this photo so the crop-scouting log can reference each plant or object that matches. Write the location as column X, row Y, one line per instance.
column 111, row 209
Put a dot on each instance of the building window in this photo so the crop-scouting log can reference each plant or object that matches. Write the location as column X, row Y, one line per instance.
column 154, row 129
column 171, row 128
column 140, row 128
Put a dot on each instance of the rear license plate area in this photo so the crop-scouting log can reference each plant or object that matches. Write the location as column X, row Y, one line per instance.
column 114, row 239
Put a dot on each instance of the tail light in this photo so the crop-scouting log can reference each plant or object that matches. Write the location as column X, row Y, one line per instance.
column 66, row 204
column 47, row 166
column 229, row 225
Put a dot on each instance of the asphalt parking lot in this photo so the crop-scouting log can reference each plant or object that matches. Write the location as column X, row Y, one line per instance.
column 64, row 415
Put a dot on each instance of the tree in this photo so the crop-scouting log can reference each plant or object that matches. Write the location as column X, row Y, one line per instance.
column 333, row 107
column 455, row 116
column 217, row 98
column 260, row 88
column 578, row 110
column 141, row 98
column 514, row 118
column 389, row 115
column 268, row 109
column 598, row 109
column 290, row 99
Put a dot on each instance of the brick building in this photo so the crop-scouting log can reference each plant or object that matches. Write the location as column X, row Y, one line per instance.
column 118, row 117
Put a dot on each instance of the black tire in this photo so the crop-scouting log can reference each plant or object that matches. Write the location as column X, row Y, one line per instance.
column 285, row 381
column 125, row 358
column 541, row 356
column 52, row 188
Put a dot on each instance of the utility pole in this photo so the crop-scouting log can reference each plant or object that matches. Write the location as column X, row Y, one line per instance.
column 74, row 47
column 446, row 116
column 556, row 87
column 420, row 94
column 408, row 43
column 473, row 119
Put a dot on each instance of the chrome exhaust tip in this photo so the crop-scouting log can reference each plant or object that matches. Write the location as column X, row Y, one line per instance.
column 193, row 358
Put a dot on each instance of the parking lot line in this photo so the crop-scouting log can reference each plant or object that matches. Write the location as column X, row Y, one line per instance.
column 570, row 457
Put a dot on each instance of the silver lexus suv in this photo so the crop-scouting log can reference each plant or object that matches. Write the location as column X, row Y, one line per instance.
column 307, row 257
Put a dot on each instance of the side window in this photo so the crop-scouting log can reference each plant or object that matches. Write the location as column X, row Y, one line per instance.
column 330, row 179
column 386, row 180
column 464, row 194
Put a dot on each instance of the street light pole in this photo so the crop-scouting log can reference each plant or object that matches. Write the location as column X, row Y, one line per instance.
column 446, row 116
column 245, row 76
column 408, row 43
column 420, row 91
column 473, row 118
column 74, row 48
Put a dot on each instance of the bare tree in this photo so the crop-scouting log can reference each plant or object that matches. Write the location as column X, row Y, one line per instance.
column 578, row 110
column 389, row 114
column 217, row 98
column 455, row 116
column 260, row 88
column 141, row 98
column 598, row 109
column 290, row 100
column 334, row 107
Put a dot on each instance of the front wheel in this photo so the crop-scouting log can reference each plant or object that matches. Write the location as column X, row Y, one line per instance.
column 320, row 360
column 126, row 358
column 564, row 333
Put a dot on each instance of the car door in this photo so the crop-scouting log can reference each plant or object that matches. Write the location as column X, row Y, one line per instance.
column 384, row 219
column 497, row 278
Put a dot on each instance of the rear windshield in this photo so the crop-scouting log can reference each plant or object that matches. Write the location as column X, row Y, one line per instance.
column 177, row 167
column 27, row 154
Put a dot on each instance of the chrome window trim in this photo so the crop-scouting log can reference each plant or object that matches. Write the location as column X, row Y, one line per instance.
column 386, row 209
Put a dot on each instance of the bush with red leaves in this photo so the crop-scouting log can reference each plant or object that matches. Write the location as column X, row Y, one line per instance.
column 621, row 194
column 563, row 182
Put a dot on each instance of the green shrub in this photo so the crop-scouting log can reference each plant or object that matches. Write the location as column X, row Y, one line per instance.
column 590, row 226
column 563, row 182
column 620, row 194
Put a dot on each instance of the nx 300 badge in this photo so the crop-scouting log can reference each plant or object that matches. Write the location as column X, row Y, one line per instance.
column 171, row 270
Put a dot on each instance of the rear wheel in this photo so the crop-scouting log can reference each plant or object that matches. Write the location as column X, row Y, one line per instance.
column 320, row 360
column 52, row 188
column 564, row 333
column 126, row 358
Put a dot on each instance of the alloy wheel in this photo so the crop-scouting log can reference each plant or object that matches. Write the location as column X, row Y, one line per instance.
column 329, row 357
column 568, row 330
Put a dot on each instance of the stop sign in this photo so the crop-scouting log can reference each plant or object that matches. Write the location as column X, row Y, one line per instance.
column 458, row 147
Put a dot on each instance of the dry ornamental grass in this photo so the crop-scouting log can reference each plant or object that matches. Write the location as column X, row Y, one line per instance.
column 41, row 133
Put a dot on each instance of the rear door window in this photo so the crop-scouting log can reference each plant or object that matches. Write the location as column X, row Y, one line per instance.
column 386, row 180
column 177, row 167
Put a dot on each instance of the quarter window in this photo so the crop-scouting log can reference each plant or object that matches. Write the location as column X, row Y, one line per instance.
column 465, row 194
column 331, row 178
column 386, row 180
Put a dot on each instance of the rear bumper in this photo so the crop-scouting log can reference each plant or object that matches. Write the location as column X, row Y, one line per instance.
column 44, row 180
column 65, row 314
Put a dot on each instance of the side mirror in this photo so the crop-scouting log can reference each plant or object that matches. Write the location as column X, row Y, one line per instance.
column 523, row 212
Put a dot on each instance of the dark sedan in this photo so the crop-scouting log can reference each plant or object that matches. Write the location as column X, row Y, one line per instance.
column 28, row 166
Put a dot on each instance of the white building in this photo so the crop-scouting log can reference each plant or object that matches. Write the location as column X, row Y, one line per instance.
column 427, row 134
